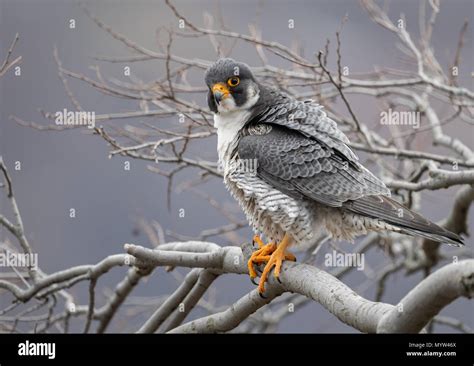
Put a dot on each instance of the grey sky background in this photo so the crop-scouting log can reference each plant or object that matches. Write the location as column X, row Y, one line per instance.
column 71, row 169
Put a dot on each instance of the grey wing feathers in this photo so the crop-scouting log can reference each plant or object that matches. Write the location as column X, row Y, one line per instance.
column 392, row 212
column 301, row 166
column 309, row 119
column 306, row 155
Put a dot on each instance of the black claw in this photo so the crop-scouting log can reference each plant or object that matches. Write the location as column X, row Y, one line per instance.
column 253, row 281
column 278, row 279
column 262, row 296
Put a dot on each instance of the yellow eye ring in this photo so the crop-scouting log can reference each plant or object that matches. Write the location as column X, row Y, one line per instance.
column 233, row 81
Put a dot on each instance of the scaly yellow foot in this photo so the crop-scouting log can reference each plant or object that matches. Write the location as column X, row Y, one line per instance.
column 261, row 255
column 273, row 255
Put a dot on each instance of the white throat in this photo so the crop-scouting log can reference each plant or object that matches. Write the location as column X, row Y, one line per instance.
column 229, row 123
column 228, row 126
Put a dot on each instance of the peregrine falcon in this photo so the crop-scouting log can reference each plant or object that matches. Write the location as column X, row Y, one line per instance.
column 293, row 173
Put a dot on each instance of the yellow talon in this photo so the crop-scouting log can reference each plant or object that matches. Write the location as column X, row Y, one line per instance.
column 271, row 254
column 259, row 241
column 261, row 255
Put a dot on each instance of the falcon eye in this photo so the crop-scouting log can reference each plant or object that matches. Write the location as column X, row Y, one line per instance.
column 234, row 81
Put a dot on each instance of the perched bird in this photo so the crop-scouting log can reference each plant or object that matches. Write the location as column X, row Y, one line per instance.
column 292, row 172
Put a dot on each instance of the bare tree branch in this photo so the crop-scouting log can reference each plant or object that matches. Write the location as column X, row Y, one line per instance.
column 431, row 295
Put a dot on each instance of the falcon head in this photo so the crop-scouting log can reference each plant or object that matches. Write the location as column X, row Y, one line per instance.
column 232, row 86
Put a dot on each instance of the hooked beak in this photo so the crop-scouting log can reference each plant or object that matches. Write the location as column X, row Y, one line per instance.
column 220, row 92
